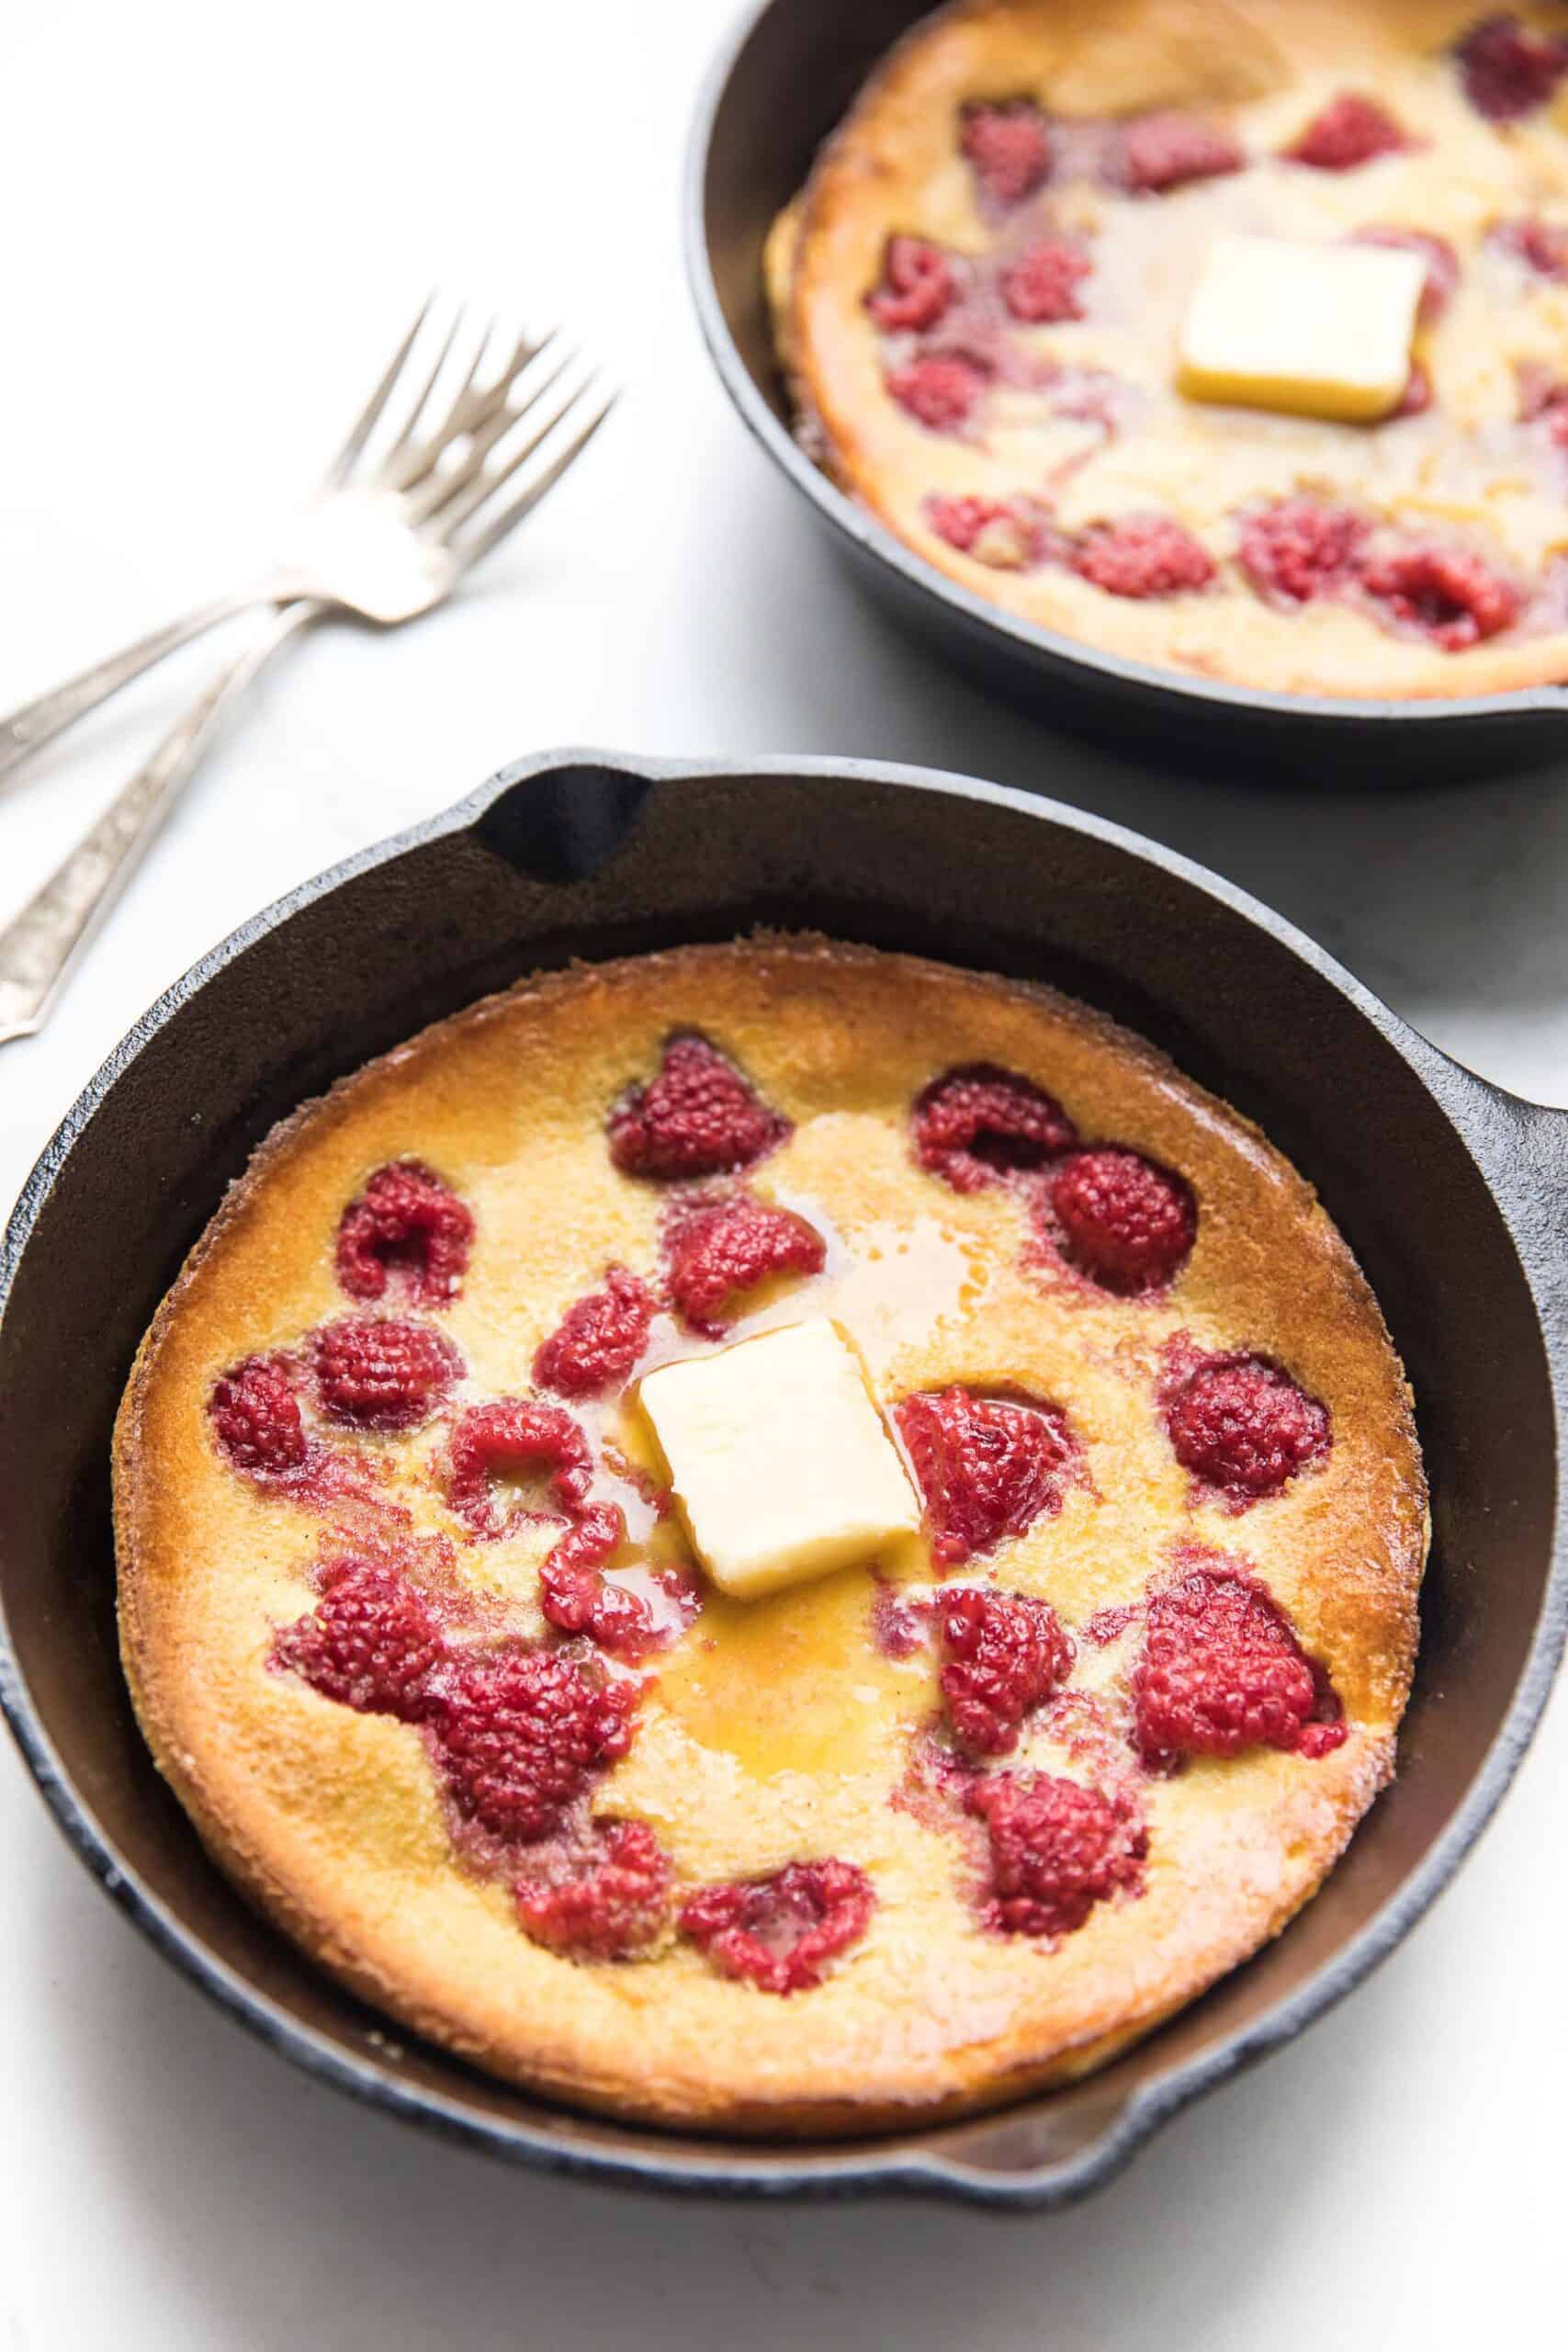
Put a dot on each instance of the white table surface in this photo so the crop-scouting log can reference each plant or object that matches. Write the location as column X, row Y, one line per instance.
column 215, row 219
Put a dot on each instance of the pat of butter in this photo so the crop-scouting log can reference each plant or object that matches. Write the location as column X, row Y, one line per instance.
column 780, row 1464
column 1319, row 330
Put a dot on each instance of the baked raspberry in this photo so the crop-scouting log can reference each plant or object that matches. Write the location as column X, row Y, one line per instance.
column 1221, row 1670
column 781, row 1931
column 699, row 1117
column 1123, row 1220
column 1007, row 1655
column 522, row 1734
column 715, row 1250
column 1508, row 68
column 1009, row 147
column 508, row 1438
column 901, row 1622
column 1241, row 1424
column 599, row 1340
column 1040, row 286
column 602, row 1902
column 576, row 1599
column 1057, row 1848
column 918, row 285
column 940, row 390
column 256, row 1416
column 1156, row 152
column 986, row 1467
column 976, row 1123
column 375, row 1373
column 371, row 1642
column 993, row 531
column 1143, row 555
column 1300, row 548
column 407, row 1227
column 1541, row 245
column 1350, row 130
column 1448, row 593
column 1442, row 264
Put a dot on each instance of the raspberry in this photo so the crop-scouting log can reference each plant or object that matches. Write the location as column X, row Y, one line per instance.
column 577, row 1600
column 1041, row 286
column 1508, row 68
column 406, row 1224
column 507, row 1437
column 780, row 1932
column 992, row 531
column 1143, row 555
column 1221, row 1670
column 605, row 1902
column 1007, row 1655
column 716, row 1248
column 978, row 1122
column 1416, row 396
column 1156, row 152
column 599, row 1340
column 1057, row 1848
column 940, row 389
column 1350, row 130
column 1450, row 595
column 1010, row 148
column 371, row 1642
column 1298, row 549
column 918, row 285
column 1239, row 1423
column 256, row 1416
column 520, row 1735
column 1541, row 245
column 986, row 1467
column 1125, row 1221
column 1442, row 264
column 375, row 1374
column 699, row 1117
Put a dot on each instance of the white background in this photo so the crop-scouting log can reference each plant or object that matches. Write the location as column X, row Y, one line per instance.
column 216, row 218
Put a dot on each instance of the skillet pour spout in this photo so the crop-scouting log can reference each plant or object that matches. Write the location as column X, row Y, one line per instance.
column 1445, row 1188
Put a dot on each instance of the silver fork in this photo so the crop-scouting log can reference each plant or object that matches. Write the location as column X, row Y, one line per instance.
column 41, row 943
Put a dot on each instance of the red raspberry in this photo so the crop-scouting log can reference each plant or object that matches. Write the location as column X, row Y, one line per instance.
column 918, row 285
column 999, row 533
column 1057, row 1848
column 975, row 1123
column 940, row 389
column 1143, row 555
column 609, row 1900
column 510, row 1436
column 599, row 1340
column 1221, row 1670
column 1041, row 286
column 1007, row 1655
column 1156, row 152
column 378, row 1375
column 1416, row 396
column 1349, row 131
column 1010, row 148
column 986, row 1467
column 406, row 1224
column 371, row 1642
column 1240, row 1424
column 577, row 1600
column 699, row 1117
column 780, row 1932
column 1125, row 1220
column 1298, row 549
column 1541, row 245
column 256, row 1416
column 520, row 1735
column 1450, row 595
column 1508, row 68
column 718, row 1249
column 1442, row 264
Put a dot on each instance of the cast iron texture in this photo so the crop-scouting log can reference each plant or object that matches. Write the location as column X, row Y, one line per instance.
column 1443, row 1186
column 785, row 80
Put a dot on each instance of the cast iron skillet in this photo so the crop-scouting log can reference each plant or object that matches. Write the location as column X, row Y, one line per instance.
column 787, row 79
column 1442, row 1184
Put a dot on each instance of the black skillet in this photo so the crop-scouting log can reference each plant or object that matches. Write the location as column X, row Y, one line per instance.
column 786, row 78
column 1450, row 1193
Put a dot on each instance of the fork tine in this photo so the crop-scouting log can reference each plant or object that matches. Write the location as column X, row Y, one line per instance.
column 405, row 437
column 450, row 498
column 476, row 545
column 365, row 423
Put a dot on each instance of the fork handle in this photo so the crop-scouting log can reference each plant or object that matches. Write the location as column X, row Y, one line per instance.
column 38, row 946
column 37, row 722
